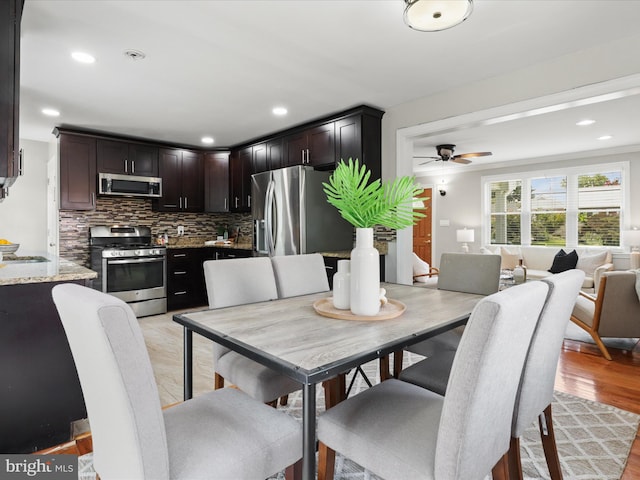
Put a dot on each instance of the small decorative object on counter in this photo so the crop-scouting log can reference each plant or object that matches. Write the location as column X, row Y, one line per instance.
column 520, row 273
column 226, row 233
column 342, row 286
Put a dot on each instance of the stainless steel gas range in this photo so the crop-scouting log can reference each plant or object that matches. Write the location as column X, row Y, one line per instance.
column 130, row 267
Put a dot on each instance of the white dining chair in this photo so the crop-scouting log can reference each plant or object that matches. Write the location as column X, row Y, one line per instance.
column 458, row 272
column 538, row 377
column 461, row 436
column 219, row 435
column 300, row 274
column 240, row 281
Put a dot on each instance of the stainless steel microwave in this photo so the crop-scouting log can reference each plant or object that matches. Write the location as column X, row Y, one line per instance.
column 129, row 185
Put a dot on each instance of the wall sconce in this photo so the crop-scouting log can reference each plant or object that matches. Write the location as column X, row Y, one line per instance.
column 631, row 239
column 442, row 188
column 465, row 237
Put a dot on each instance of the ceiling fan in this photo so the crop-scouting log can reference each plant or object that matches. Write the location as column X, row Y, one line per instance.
column 445, row 154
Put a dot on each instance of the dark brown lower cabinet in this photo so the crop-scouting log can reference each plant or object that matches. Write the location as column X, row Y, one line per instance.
column 41, row 395
column 331, row 266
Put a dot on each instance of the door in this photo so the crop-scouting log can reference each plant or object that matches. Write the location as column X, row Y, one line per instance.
column 422, row 230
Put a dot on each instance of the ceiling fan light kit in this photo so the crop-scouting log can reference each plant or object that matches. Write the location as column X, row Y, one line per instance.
column 445, row 153
column 436, row 15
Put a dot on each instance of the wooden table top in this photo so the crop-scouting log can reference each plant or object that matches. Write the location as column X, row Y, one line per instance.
column 289, row 336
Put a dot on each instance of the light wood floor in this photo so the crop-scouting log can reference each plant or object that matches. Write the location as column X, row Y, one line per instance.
column 585, row 373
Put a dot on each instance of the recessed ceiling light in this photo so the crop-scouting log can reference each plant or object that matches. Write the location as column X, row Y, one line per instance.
column 605, row 137
column 207, row 140
column 51, row 112
column 279, row 111
column 83, row 57
column 584, row 123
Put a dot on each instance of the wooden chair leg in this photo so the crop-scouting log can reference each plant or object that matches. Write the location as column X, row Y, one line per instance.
column 218, row 382
column 273, row 403
column 515, row 460
column 284, row 400
column 397, row 363
column 601, row 345
column 385, row 373
column 294, row 472
column 547, row 434
column 501, row 469
column 326, row 462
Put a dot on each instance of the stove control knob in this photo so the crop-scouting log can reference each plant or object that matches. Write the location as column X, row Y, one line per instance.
column 138, row 252
column 122, row 253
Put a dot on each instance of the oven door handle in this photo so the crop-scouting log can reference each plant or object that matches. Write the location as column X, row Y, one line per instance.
column 135, row 260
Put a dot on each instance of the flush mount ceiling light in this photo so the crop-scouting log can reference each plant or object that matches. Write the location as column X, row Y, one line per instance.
column 279, row 111
column 605, row 137
column 436, row 15
column 83, row 57
column 586, row 122
column 50, row 112
column 207, row 140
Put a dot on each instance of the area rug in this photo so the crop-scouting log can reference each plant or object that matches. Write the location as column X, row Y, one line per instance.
column 593, row 439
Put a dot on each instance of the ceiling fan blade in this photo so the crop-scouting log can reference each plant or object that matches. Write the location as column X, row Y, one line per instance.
column 423, row 156
column 459, row 159
column 428, row 161
column 473, row 155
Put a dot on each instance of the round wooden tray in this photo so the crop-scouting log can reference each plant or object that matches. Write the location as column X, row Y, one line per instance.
column 392, row 309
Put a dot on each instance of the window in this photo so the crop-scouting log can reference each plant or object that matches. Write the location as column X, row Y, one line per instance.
column 581, row 206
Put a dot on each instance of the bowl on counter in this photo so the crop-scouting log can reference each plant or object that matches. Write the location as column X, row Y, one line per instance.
column 9, row 248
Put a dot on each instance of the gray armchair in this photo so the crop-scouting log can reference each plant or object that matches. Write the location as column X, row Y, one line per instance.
column 614, row 312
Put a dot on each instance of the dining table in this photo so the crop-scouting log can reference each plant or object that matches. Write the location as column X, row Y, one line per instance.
column 291, row 337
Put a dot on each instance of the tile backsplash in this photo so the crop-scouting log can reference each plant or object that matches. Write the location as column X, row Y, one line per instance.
column 74, row 225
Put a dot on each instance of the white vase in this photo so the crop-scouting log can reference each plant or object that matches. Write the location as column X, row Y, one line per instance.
column 342, row 286
column 365, row 275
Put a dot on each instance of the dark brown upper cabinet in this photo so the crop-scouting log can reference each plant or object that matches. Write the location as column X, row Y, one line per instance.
column 216, row 182
column 10, row 157
column 77, row 172
column 274, row 154
column 314, row 146
column 240, row 167
column 127, row 158
column 182, row 173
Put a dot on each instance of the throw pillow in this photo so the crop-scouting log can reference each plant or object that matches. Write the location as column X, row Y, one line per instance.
column 509, row 260
column 589, row 263
column 564, row 261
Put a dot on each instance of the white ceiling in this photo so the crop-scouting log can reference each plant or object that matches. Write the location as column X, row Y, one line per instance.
column 218, row 67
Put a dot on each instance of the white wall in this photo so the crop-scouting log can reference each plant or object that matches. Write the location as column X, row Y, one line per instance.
column 23, row 214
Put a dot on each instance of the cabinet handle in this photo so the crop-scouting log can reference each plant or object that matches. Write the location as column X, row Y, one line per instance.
column 249, row 200
column 230, row 255
column 133, row 166
column 178, row 255
column 308, row 161
column 225, row 204
column 125, row 166
column 180, row 273
column 302, row 152
column 20, row 162
column 185, row 203
column 180, row 200
column 180, row 293
column 327, row 267
column 236, row 202
column 93, row 199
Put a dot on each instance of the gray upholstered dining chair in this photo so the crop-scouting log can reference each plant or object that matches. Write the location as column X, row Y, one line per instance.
column 235, row 282
column 300, row 274
column 460, row 436
column 536, row 387
column 459, row 272
column 219, row 435
column 614, row 312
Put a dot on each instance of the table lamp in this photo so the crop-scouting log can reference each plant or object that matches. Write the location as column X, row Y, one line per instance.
column 631, row 239
column 465, row 237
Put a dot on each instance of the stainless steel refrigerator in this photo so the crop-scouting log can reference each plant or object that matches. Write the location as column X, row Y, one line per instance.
column 291, row 214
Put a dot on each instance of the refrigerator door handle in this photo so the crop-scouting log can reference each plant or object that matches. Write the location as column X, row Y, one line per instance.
column 268, row 216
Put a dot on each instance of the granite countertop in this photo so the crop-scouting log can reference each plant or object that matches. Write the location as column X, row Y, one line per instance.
column 43, row 268
column 382, row 248
column 199, row 242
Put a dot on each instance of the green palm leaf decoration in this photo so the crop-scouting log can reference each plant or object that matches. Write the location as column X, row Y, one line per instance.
column 365, row 204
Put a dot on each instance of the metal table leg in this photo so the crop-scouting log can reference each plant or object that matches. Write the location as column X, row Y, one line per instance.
column 309, row 431
column 188, row 363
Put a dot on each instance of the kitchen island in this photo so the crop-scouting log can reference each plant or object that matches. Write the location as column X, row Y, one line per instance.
column 41, row 395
